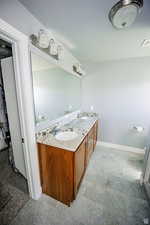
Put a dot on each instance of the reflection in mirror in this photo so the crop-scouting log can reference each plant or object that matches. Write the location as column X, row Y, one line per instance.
column 56, row 92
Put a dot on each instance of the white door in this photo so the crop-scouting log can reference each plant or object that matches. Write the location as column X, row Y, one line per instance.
column 13, row 115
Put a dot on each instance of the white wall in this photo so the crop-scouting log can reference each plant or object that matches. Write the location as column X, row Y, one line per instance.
column 119, row 92
column 14, row 13
column 18, row 16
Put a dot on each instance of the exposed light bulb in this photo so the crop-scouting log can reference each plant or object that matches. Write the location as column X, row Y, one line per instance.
column 60, row 51
column 43, row 39
column 53, row 47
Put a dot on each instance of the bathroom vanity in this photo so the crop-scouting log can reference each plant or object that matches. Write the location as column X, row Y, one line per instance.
column 66, row 146
column 63, row 163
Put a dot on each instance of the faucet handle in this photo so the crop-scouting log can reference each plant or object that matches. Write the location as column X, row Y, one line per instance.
column 71, row 129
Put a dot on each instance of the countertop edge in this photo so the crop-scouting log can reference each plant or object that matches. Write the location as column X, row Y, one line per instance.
column 69, row 149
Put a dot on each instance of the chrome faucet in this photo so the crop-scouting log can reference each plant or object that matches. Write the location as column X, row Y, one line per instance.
column 55, row 130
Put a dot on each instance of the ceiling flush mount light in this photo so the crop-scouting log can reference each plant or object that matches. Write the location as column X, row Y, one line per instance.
column 124, row 13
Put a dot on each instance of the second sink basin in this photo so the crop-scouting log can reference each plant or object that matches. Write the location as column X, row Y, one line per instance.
column 84, row 118
column 66, row 135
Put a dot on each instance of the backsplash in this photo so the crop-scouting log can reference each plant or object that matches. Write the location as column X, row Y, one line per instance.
column 63, row 120
column 59, row 122
column 88, row 114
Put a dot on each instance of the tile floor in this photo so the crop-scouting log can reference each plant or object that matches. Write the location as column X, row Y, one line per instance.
column 110, row 194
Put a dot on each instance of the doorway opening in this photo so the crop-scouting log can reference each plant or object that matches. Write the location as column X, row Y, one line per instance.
column 13, row 179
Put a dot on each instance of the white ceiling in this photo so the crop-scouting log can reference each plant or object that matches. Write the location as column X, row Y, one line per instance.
column 83, row 25
column 38, row 63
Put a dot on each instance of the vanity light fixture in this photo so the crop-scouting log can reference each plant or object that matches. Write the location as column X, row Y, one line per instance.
column 49, row 46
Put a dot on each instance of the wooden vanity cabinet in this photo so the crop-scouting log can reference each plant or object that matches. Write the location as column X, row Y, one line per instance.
column 62, row 170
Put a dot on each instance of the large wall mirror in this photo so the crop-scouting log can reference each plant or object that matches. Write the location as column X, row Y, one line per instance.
column 56, row 92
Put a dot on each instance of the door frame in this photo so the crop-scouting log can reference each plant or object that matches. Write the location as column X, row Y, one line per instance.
column 24, row 89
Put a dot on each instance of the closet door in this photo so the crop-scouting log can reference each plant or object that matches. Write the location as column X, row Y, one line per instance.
column 13, row 114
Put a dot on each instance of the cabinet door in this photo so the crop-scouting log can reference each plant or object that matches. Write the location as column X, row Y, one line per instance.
column 79, row 166
column 90, row 145
column 56, row 169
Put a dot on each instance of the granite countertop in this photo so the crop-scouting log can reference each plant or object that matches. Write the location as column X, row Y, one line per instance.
column 78, row 125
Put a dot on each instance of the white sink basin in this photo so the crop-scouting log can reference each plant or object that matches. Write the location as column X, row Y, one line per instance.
column 66, row 135
column 85, row 118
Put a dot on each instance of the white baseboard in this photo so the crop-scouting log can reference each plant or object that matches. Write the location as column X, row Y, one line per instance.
column 121, row 147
